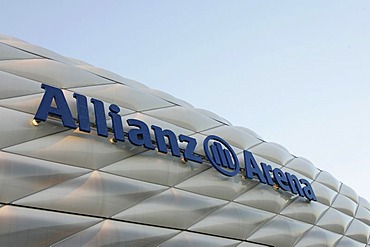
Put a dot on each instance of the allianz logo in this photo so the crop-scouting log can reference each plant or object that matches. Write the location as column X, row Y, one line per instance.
column 217, row 151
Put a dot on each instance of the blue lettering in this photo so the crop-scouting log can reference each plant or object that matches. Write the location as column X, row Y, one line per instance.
column 100, row 121
column 220, row 156
column 251, row 167
column 280, row 178
column 266, row 171
column 61, row 110
column 189, row 150
column 140, row 136
column 307, row 190
column 161, row 144
column 116, row 123
column 294, row 184
column 82, row 112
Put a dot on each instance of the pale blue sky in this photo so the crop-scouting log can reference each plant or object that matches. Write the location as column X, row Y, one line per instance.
column 295, row 72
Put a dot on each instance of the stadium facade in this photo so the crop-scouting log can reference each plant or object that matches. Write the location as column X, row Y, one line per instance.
column 90, row 158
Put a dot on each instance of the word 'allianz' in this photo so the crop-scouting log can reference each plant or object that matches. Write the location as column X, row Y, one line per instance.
column 220, row 154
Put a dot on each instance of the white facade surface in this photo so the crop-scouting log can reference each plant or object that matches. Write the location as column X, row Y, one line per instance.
column 63, row 187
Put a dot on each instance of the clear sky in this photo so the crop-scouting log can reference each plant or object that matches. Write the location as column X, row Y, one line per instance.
column 295, row 72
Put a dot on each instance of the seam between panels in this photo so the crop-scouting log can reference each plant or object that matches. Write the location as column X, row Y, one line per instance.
column 42, row 81
column 39, row 56
column 325, row 211
column 86, row 86
column 260, row 226
column 290, row 160
column 33, row 53
column 170, row 238
column 206, row 215
column 68, row 237
column 120, row 220
column 15, row 144
column 50, row 187
column 37, row 158
column 43, row 57
column 71, row 89
column 19, row 96
column 111, row 217
column 302, row 235
column 167, row 189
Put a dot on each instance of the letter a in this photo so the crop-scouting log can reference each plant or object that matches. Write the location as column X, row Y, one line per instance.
column 61, row 110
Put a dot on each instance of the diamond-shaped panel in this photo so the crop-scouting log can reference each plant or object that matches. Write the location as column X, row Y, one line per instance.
column 34, row 228
column 234, row 220
column 172, row 208
column 16, row 127
column 21, row 176
column 77, row 148
column 112, row 233
column 280, row 231
column 155, row 167
column 96, row 193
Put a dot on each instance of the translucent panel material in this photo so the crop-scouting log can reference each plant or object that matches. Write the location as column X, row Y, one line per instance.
column 34, row 228
column 187, row 118
column 358, row 231
column 149, row 121
column 345, row 205
column 233, row 220
column 188, row 239
column 167, row 97
column 303, row 166
column 213, row 116
column 124, row 96
column 272, row 151
column 365, row 203
column 297, row 174
column 77, row 148
column 8, row 52
column 156, row 167
column 318, row 237
column 21, row 176
column 323, row 193
column 214, row 184
column 51, row 73
column 249, row 131
column 16, row 127
column 328, row 179
column 14, row 86
column 349, row 192
column 280, row 231
column 77, row 62
column 335, row 221
column 234, row 136
column 363, row 214
column 35, row 50
column 301, row 210
column 7, row 37
column 245, row 244
column 112, row 76
column 172, row 208
column 28, row 103
column 112, row 233
column 96, row 193
column 345, row 242
column 265, row 197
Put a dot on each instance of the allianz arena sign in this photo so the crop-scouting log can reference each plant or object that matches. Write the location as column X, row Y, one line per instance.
column 218, row 152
